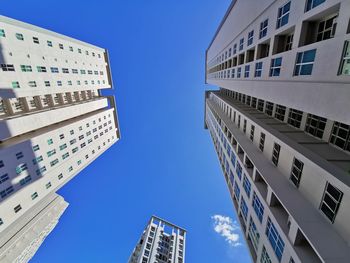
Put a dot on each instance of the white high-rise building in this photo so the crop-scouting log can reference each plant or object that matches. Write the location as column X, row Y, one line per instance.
column 160, row 242
column 54, row 121
column 281, row 125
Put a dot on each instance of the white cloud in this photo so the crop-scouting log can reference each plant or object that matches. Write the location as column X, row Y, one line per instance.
column 227, row 228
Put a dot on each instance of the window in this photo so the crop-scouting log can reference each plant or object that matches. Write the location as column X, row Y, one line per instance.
column 289, row 42
column 312, row 4
column 246, row 71
column 233, row 73
column 6, row 192
column 41, row 69
column 48, row 185
column 258, row 69
column 263, row 28
column 71, row 49
column 280, row 112
column 36, row 40
column 239, row 170
column 345, row 63
column 265, row 258
column 241, row 44
column 1, row 222
column 294, row 117
column 63, row 146
column 54, row 162
column 269, row 108
column 54, row 70
column 315, row 125
column 283, row 15
column 276, row 153
column 234, row 49
column 275, row 239
column 60, row 46
column 4, row 178
column 261, row 105
column 41, row 170
column 253, row 234
column 70, row 169
column 49, row 141
column 60, row 176
column 326, row 28
column 49, row 43
column 341, row 135
column 15, row 84
column 17, row 208
column 26, row 68
column 258, row 207
column 7, row 67
column 250, row 38
column 304, row 62
column 297, row 169
column 244, row 209
column 64, row 156
column 275, row 68
column 19, row 36
column 34, row 195
column 59, row 83
column 47, row 84
column 37, row 159
column 2, row 33
column 330, row 202
column 32, row 84
column 237, row 191
column 252, row 129
column 1, row 164
column 239, row 72
column 246, row 185
column 19, row 155
column 65, row 70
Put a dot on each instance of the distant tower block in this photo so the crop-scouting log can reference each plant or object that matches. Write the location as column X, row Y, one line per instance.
column 161, row 242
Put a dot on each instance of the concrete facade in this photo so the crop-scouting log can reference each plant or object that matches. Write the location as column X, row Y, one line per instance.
column 160, row 242
column 54, row 121
column 280, row 124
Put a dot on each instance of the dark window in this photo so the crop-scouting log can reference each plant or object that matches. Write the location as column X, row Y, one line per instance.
column 262, row 142
column 304, row 62
column 331, row 201
column 280, row 112
column 294, row 117
column 283, row 15
column 269, row 108
column 312, row 4
column 341, row 135
column 276, row 153
column 297, row 169
column 315, row 125
column 252, row 129
column 263, row 28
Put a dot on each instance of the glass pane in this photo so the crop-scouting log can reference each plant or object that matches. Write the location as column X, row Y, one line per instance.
column 309, row 56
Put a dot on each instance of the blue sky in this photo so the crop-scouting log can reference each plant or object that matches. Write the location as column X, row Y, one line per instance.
column 165, row 163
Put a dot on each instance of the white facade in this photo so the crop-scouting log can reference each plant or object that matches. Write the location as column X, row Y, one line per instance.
column 27, row 234
column 281, row 125
column 54, row 121
column 160, row 242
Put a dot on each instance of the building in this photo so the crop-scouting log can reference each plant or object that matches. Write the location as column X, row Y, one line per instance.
column 160, row 242
column 54, row 121
column 280, row 125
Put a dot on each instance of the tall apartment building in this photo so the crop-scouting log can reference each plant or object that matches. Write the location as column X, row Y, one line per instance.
column 160, row 242
column 54, row 121
column 280, row 124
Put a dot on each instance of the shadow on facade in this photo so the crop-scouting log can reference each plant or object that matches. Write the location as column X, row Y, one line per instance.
column 18, row 166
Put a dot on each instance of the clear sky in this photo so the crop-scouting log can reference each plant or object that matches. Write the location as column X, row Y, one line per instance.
column 165, row 163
